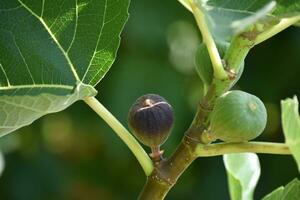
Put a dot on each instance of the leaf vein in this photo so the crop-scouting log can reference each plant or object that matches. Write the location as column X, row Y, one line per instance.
column 24, row 60
column 95, row 51
column 43, row 7
column 4, row 72
column 55, row 40
column 21, row 106
column 14, row 87
column 75, row 29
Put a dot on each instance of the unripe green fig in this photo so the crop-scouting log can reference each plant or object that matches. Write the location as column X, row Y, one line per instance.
column 238, row 117
column 150, row 119
column 203, row 63
column 204, row 66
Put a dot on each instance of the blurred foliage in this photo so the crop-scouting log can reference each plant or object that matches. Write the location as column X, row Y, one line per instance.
column 75, row 155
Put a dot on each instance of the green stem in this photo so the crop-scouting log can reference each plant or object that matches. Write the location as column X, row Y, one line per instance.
column 201, row 119
column 237, row 52
column 186, row 4
column 255, row 147
column 219, row 71
column 283, row 24
column 123, row 133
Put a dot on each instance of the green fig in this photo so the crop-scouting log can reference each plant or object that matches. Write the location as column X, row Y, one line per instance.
column 238, row 117
column 203, row 63
column 204, row 66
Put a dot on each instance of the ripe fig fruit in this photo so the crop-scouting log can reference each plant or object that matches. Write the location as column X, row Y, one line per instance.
column 150, row 119
column 238, row 117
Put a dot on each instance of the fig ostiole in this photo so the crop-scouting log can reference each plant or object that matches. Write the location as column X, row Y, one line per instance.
column 150, row 119
column 237, row 117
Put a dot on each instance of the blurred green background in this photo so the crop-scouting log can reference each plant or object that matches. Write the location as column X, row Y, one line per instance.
column 75, row 155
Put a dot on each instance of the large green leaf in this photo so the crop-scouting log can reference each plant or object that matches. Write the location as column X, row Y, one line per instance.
column 52, row 53
column 290, row 192
column 230, row 17
column 287, row 8
column 291, row 126
column 243, row 171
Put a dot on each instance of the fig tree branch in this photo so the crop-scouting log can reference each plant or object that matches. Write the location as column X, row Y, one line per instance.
column 254, row 147
column 283, row 24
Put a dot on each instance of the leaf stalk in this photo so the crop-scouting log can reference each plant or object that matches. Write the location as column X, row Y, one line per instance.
column 254, row 147
column 219, row 71
column 123, row 133
column 283, row 24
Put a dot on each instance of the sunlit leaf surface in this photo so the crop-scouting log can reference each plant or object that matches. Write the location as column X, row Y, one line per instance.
column 290, row 192
column 291, row 126
column 243, row 171
column 52, row 53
